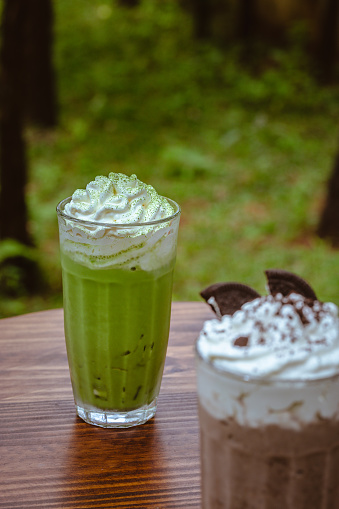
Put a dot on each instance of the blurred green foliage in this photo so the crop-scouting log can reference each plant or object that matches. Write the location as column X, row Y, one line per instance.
column 246, row 151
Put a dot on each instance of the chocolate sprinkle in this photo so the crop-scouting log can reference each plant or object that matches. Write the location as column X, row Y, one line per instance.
column 229, row 297
column 241, row 341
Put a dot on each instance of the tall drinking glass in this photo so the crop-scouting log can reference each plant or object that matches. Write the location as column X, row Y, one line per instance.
column 267, row 444
column 117, row 290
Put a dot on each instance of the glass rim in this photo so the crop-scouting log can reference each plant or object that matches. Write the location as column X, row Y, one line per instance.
column 100, row 224
column 260, row 380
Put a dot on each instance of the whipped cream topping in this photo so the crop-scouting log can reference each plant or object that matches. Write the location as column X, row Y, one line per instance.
column 119, row 221
column 118, row 199
column 275, row 337
column 274, row 358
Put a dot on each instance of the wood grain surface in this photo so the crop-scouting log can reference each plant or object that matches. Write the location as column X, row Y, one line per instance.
column 49, row 458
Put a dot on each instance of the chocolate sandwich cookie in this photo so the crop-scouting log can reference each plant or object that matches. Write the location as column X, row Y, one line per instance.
column 227, row 298
column 284, row 282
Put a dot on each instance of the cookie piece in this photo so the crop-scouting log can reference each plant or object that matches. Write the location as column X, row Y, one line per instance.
column 284, row 282
column 228, row 297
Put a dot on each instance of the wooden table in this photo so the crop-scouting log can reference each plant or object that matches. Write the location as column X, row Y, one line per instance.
column 49, row 458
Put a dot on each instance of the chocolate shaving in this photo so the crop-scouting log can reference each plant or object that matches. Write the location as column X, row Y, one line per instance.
column 284, row 282
column 241, row 341
column 229, row 297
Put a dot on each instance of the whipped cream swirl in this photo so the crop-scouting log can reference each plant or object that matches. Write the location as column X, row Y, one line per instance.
column 118, row 221
column 118, row 199
column 275, row 337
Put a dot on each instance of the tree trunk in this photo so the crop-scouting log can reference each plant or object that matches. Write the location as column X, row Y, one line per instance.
column 327, row 52
column 13, row 176
column 328, row 227
column 246, row 20
column 202, row 13
column 41, row 107
column 246, row 27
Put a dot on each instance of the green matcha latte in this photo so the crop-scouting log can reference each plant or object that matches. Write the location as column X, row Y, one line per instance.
column 118, row 246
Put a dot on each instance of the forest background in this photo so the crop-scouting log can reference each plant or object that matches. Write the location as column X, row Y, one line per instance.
column 231, row 113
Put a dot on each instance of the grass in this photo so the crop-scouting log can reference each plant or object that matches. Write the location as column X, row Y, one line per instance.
column 246, row 152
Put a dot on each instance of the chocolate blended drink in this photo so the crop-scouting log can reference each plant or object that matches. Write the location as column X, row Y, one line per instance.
column 118, row 246
column 268, row 389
